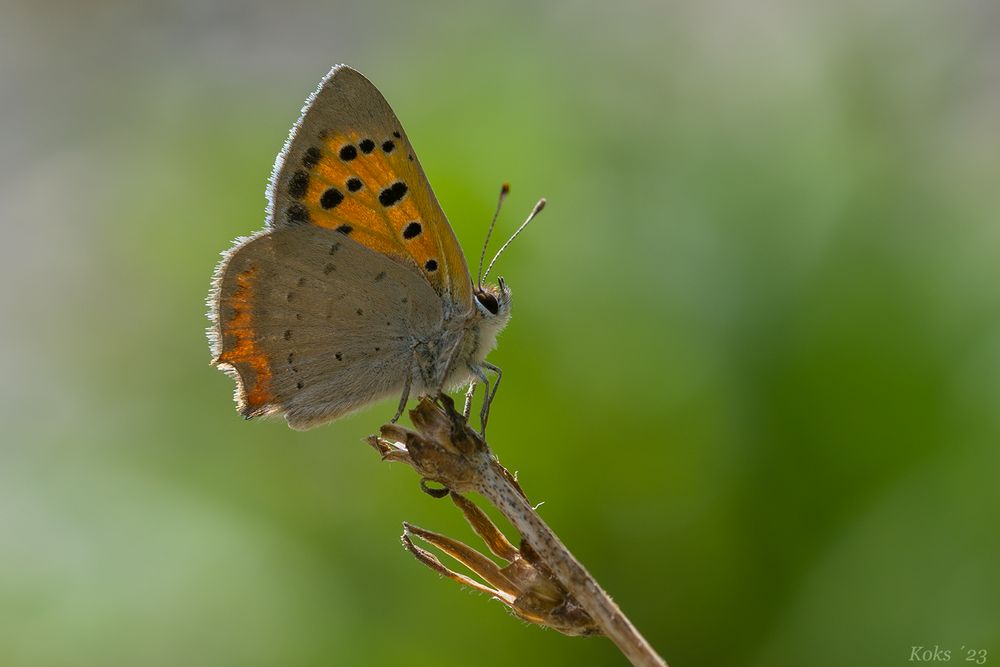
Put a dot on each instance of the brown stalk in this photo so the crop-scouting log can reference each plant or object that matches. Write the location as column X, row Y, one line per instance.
column 542, row 581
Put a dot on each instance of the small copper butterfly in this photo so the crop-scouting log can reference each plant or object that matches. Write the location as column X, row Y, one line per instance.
column 357, row 288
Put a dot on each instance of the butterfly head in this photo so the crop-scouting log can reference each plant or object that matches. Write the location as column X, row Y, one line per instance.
column 493, row 301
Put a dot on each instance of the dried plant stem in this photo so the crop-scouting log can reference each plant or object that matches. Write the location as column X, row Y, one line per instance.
column 544, row 583
column 499, row 490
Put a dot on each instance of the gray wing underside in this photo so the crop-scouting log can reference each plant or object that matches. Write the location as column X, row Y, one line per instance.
column 314, row 325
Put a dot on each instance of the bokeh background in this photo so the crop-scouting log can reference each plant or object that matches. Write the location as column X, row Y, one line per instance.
column 753, row 372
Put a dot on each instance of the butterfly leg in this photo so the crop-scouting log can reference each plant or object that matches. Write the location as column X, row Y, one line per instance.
column 484, row 413
column 402, row 401
column 470, row 392
column 488, row 399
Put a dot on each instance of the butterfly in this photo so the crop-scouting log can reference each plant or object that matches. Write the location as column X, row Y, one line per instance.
column 357, row 288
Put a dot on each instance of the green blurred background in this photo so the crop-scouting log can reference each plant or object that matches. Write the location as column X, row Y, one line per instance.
column 753, row 370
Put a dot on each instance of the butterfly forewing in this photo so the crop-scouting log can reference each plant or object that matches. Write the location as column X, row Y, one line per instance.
column 349, row 166
column 314, row 325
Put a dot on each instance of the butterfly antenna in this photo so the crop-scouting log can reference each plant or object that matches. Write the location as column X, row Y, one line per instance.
column 535, row 211
column 504, row 191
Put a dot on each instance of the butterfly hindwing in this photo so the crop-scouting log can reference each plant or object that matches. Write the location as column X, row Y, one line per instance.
column 314, row 325
column 349, row 166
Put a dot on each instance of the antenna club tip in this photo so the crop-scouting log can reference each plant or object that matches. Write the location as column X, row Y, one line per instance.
column 505, row 189
column 540, row 205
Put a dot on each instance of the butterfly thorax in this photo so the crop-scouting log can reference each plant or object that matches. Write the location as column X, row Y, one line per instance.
column 477, row 334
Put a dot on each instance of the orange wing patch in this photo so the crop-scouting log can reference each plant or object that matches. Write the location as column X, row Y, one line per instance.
column 368, row 188
column 240, row 349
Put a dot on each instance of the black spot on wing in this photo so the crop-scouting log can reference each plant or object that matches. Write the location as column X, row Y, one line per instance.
column 388, row 145
column 345, row 229
column 348, row 153
column 412, row 230
column 311, row 157
column 366, row 146
column 431, row 265
column 298, row 184
column 331, row 198
column 354, row 184
column 393, row 194
column 297, row 214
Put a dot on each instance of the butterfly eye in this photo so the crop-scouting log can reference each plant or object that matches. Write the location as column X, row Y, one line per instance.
column 488, row 301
